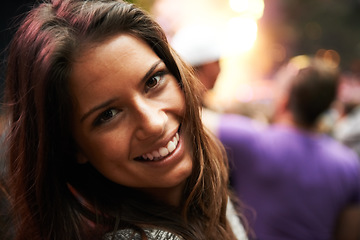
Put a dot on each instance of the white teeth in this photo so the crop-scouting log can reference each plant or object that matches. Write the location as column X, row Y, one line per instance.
column 171, row 146
column 155, row 154
column 163, row 151
column 151, row 157
column 175, row 141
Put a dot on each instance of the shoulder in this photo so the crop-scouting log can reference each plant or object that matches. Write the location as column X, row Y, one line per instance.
column 240, row 131
column 217, row 122
column 346, row 155
column 151, row 234
column 343, row 162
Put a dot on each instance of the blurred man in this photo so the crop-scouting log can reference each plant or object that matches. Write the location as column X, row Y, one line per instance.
column 297, row 183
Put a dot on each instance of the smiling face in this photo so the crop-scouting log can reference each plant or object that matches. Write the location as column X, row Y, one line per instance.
column 127, row 116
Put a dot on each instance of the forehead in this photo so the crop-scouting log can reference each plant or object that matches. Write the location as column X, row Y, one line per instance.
column 122, row 46
column 121, row 54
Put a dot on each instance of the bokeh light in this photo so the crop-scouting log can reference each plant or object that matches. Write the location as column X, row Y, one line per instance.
column 241, row 35
column 331, row 56
column 254, row 8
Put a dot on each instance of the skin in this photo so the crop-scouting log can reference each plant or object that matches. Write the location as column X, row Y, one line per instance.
column 208, row 74
column 127, row 104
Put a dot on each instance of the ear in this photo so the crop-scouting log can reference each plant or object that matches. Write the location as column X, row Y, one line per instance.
column 281, row 103
column 81, row 158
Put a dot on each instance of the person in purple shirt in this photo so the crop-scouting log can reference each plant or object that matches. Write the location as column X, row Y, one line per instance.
column 296, row 183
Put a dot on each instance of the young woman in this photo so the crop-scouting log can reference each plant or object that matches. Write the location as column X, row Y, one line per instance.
column 105, row 138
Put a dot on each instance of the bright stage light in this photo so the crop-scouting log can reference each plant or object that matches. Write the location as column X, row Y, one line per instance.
column 241, row 34
column 254, row 8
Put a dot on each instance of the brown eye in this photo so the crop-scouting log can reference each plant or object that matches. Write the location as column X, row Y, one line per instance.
column 106, row 116
column 153, row 81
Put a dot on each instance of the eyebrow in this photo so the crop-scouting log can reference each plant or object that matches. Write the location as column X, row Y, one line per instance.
column 110, row 101
column 150, row 71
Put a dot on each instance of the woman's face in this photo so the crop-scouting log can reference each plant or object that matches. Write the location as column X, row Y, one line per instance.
column 127, row 116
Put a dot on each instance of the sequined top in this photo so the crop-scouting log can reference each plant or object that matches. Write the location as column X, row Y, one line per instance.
column 152, row 234
column 157, row 234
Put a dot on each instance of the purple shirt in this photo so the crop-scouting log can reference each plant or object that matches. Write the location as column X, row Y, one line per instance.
column 292, row 183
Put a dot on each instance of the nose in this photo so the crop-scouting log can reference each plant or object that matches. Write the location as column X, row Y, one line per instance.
column 151, row 120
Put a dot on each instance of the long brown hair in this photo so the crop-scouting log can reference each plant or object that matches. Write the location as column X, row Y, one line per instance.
column 41, row 150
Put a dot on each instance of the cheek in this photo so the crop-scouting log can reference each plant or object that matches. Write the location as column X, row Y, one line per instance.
column 174, row 97
column 180, row 102
column 109, row 158
column 103, row 149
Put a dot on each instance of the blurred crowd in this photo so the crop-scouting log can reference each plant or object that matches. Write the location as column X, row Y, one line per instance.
column 288, row 155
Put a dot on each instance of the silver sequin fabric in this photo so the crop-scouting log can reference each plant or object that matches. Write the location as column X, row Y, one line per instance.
column 152, row 234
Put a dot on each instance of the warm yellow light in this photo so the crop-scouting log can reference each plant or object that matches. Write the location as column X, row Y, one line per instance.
column 239, row 5
column 241, row 34
column 254, row 8
column 300, row 61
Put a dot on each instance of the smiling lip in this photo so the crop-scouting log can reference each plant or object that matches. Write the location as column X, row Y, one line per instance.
column 162, row 152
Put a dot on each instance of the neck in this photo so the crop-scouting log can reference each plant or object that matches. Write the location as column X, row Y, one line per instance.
column 287, row 118
column 171, row 196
